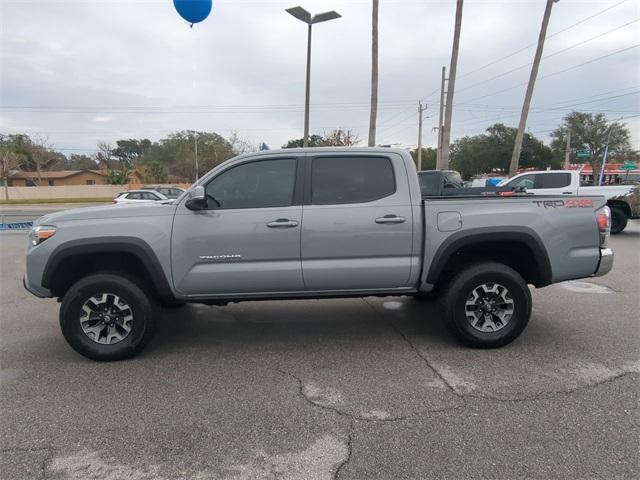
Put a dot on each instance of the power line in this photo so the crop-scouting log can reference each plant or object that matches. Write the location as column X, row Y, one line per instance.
column 500, row 75
column 558, row 72
column 548, row 36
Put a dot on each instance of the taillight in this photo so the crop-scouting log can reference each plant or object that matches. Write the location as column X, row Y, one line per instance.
column 603, row 217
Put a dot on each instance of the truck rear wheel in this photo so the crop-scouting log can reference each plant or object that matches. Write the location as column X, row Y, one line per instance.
column 618, row 220
column 106, row 316
column 487, row 305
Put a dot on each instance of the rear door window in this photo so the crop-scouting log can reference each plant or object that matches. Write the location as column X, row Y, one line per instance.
column 347, row 179
column 553, row 180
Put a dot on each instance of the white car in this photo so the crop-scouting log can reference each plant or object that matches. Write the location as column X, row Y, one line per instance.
column 169, row 192
column 141, row 196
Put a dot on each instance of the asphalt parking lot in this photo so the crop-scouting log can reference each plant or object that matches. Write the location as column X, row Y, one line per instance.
column 349, row 389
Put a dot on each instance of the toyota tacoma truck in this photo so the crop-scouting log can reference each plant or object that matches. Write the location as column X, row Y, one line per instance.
column 623, row 200
column 311, row 223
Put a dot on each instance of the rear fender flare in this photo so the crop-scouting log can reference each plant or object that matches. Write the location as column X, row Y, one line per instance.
column 472, row 236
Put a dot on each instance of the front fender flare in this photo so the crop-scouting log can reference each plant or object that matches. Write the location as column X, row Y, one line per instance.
column 98, row 245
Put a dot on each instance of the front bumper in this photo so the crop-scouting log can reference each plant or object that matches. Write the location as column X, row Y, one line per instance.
column 606, row 262
column 31, row 291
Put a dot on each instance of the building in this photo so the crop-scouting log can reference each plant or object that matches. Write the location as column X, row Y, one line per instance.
column 57, row 178
column 613, row 174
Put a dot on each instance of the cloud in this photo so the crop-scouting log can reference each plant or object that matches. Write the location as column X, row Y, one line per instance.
column 134, row 69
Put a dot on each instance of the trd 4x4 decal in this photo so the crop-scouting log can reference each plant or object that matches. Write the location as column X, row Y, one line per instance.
column 570, row 203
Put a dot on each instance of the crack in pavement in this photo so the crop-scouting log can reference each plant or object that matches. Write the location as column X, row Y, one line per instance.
column 552, row 394
column 465, row 396
column 336, row 475
column 415, row 350
column 43, row 465
column 360, row 418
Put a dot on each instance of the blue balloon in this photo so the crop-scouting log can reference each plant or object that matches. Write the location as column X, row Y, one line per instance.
column 193, row 11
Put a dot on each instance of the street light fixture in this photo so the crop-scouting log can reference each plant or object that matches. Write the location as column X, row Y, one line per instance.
column 304, row 16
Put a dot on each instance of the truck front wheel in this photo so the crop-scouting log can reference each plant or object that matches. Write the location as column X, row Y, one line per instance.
column 105, row 316
column 487, row 305
column 618, row 220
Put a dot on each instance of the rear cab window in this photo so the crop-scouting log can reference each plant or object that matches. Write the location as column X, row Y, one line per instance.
column 351, row 179
column 553, row 180
column 429, row 183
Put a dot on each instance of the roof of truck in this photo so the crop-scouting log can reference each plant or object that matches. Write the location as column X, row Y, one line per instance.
column 327, row 150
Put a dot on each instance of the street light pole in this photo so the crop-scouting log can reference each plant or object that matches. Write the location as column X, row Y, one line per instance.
column 305, row 138
column 304, row 16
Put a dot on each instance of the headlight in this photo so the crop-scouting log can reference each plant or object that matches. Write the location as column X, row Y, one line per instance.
column 39, row 234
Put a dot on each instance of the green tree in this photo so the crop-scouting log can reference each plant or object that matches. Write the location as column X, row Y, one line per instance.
column 428, row 158
column 591, row 132
column 314, row 141
column 176, row 153
column 81, row 162
column 130, row 151
column 118, row 177
column 491, row 152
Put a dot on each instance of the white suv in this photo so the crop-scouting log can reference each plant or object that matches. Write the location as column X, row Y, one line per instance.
column 141, row 196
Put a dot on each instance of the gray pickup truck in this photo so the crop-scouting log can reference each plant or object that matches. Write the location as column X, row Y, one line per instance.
column 311, row 223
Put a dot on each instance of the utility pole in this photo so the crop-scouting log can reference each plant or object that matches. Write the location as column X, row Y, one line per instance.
column 440, row 114
column 420, row 110
column 374, row 75
column 517, row 147
column 604, row 159
column 446, row 129
column 567, row 151
column 195, row 139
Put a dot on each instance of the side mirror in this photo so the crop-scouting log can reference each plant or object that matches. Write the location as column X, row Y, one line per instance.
column 197, row 199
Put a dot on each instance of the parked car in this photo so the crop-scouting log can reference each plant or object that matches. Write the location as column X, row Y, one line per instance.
column 141, row 196
column 311, row 223
column 621, row 199
column 169, row 192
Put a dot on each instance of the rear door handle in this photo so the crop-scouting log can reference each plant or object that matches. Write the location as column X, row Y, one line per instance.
column 391, row 219
column 282, row 223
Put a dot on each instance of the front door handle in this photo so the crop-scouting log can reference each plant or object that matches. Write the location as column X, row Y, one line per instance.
column 391, row 219
column 567, row 193
column 282, row 223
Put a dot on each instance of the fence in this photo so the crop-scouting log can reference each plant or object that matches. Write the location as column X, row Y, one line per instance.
column 65, row 191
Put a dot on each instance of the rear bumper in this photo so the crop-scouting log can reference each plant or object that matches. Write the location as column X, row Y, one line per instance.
column 606, row 262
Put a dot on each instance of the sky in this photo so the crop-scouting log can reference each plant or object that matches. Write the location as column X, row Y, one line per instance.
column 75, row 72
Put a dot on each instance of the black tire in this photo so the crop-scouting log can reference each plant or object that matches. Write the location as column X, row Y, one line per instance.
column 618, row 221
column 142, row 328
column 461, row 288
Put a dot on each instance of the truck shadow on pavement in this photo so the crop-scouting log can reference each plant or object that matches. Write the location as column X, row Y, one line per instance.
column 298, row 323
